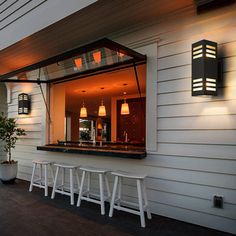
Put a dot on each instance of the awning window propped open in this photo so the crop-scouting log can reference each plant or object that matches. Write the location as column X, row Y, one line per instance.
column 98, row 57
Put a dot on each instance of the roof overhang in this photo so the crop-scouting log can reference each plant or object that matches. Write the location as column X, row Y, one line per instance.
column 94, row 58
column 209, row 5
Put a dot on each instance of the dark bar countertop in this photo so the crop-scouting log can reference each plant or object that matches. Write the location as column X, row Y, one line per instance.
column 118, row 149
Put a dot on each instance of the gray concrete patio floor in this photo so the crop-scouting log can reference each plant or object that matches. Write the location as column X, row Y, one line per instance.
column 24, row 213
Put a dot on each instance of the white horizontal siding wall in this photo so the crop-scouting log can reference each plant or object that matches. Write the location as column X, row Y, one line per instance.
column 3, row 108
column 196, row 136
column 196, row 149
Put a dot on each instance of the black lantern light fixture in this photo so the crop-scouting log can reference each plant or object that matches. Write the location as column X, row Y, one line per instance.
column 23, row 104
column 204, row 68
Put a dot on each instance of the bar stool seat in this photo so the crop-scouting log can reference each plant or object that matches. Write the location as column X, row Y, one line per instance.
column 39, row 182
column 142, row 195
column 87, row 195
column 42, row 162
column 73, row 170
column 66, row 166
column 128, row 175
column 94, row 170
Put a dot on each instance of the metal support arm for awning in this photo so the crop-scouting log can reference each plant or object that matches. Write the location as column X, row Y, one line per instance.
column 44, row 98
column 137, row 80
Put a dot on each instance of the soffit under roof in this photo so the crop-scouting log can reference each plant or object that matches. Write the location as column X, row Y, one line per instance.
column 93, row 22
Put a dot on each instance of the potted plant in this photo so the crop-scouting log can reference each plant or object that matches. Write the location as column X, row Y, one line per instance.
column 9, row 133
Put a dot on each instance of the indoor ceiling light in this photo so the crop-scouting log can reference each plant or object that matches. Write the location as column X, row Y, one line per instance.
column 102, row 108
column 124, row 107
column 83, row 109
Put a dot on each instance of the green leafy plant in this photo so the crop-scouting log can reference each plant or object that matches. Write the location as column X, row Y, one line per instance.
column 9, row 133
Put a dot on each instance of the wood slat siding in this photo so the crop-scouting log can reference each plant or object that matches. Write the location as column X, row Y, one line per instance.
column 196, row 136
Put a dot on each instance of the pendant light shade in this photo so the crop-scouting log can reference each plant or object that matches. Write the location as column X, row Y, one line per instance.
column 124, row 108
column 83, row 111
column 102, row 110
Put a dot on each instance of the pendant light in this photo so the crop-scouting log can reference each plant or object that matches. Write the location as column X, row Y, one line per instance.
column 125, row 106
column 102, row 108
column 83, row 109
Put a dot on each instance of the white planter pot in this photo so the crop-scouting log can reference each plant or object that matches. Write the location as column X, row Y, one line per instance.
column 8, row 172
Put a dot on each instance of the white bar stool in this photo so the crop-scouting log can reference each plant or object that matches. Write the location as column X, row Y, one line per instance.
column 142, row 196
column 102, row 174
column 73, row 170
column 39, row 182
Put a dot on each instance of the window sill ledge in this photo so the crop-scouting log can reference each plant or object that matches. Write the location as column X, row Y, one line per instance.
column 129, row 153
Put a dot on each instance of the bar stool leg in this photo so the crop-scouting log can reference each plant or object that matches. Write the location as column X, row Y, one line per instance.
column 51, row 172
column 101, row 194
column 40, row 174
column 140, row 201
column 63, row 179
column 46, row 181
column 71, row 187
column 81, row 189
column 149, row 216
column 113, row 196
column 88, row 183
column 55, row 182
column 119, row 190
column 32, row 177
column 108, row 188
column 77, row 178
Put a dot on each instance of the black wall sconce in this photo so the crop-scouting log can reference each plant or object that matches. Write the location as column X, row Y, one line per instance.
column 204, row 68
column 24, row 104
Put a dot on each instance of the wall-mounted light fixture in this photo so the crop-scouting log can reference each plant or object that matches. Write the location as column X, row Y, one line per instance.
column 24, row 104
column 204, row 68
